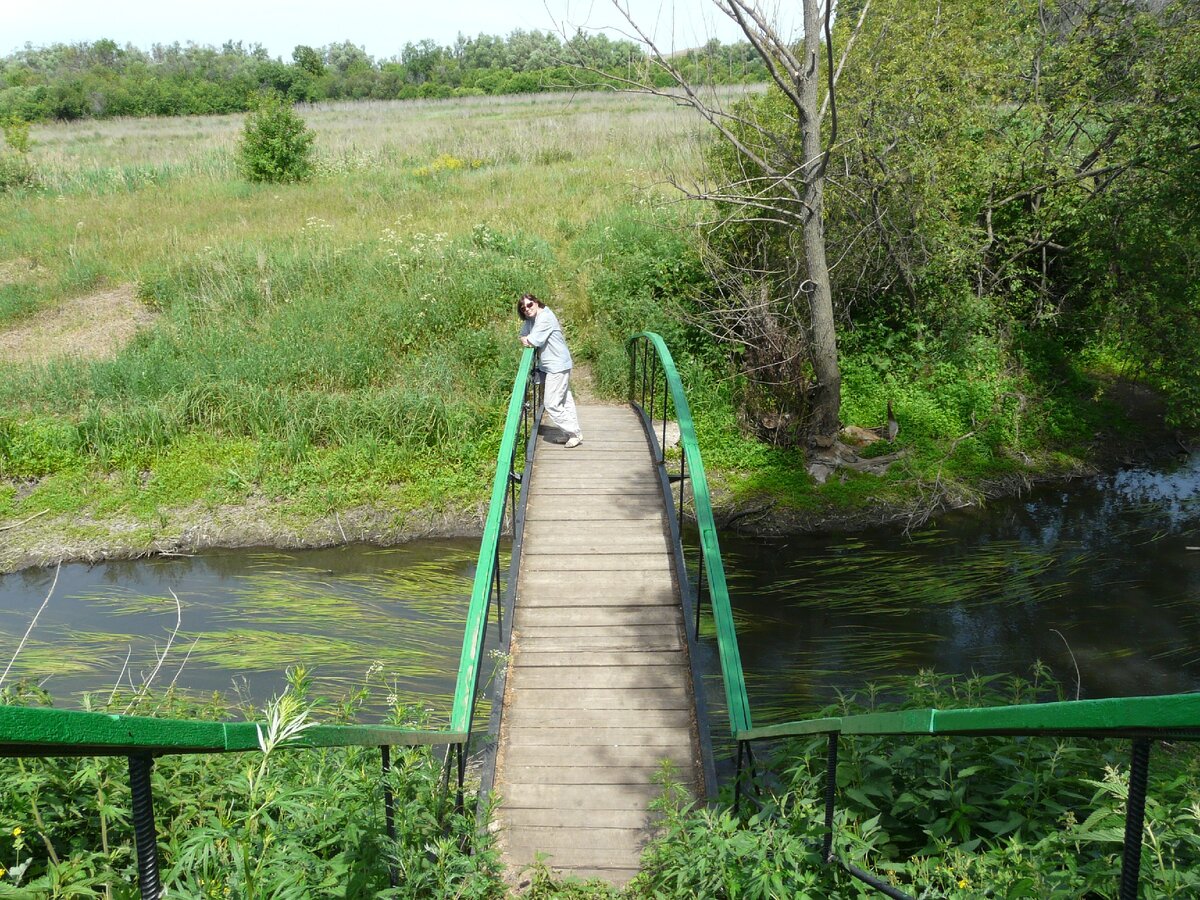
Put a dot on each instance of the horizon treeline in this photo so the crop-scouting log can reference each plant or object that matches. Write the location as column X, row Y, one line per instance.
column 102, row 79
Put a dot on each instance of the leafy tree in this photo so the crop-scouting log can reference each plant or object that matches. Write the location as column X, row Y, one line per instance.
column 276, row 144
column 309, row 60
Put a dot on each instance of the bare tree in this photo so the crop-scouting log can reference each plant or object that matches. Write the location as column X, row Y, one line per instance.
column 767, row 241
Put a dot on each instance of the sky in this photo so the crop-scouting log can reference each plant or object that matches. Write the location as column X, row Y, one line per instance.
column 380, row 27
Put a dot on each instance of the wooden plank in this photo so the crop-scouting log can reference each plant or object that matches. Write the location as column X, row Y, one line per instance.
column 537, row 580
column 600, row 543
column 525, row 717
column 558, row 631
column 675, row 697
column 645, row 559
column 592, row 616
column 582, row 775
column 667, row 640
column 655, row 677
column 596, row 796
column 577, row 596
column 572, row 735
column 576, row 838
column 614, row 659
column 586, row 758
column 543, row 537
column 584, row 859
column 578, row 818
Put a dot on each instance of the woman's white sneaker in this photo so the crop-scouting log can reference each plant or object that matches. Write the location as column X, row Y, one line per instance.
column 574, row 441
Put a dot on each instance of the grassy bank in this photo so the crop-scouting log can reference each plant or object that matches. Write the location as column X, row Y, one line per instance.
column 328, row 361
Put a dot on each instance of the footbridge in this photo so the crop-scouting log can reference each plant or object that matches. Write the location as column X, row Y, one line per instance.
column 592, row 685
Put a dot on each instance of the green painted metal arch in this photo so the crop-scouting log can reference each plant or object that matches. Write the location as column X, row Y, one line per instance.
column 476, row 627
column 732, row 676
column 54, row 732
column 1111, row 716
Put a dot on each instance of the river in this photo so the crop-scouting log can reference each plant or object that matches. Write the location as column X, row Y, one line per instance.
column 1095, row 579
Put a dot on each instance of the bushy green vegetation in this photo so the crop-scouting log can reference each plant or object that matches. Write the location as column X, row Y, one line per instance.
column 947, row 816
column 347, row 342
column 1040, row 208
column 102, row 79
column 281, row 823
column 276, row 145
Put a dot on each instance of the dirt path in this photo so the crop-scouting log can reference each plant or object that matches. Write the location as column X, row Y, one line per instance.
column 96, row 326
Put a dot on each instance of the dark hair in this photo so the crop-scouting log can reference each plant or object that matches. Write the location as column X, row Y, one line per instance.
column 521, row 301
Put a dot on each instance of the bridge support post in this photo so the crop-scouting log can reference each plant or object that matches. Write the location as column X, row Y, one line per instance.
column 830, row 794
column 145, row 839
column 1135, row 818
column 389, row 809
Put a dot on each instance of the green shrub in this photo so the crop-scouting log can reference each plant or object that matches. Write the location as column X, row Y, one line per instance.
column 16, row 133
column 276, row 145
column 16, row 171
column 952, row 817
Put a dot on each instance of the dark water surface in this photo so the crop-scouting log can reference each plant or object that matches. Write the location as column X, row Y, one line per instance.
column 1099, row 569
column 246, row 617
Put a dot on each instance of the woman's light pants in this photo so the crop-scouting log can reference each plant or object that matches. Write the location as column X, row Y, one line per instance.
column 560, row 405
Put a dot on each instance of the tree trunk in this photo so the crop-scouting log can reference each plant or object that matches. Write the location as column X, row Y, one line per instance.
column 827, row 393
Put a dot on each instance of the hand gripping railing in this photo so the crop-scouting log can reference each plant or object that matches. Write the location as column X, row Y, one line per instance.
column 1140, row 719
column 41, row 732
column 654, row 387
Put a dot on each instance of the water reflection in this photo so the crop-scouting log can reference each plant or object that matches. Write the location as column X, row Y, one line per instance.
column 1096, row 577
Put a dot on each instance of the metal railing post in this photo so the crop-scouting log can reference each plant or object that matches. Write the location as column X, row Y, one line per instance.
column 653, row 376
column 645, row 360
column 389, row 811
column 1135, row 818
column 462, row 777
column 830, row 794
column 737, row 780
column 145, row 839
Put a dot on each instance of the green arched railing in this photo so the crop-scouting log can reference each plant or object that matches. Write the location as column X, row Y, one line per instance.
column 655, row 390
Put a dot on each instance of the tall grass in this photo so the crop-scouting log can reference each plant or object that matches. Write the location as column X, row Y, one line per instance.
column 350, row 339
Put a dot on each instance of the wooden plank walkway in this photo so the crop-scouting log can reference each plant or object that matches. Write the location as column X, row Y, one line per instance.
column 598, row 689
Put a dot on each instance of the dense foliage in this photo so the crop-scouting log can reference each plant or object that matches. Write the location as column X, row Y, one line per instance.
column 102, row 79
column 939, row 816
column 276, row 145
column 283, row 823
column 1017, row 176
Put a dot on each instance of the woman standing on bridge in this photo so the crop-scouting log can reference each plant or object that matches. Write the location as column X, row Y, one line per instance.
column 540, row 330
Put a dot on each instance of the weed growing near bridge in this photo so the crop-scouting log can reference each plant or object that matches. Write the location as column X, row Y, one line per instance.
column 283, row 823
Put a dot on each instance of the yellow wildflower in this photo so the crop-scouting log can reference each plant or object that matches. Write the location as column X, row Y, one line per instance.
column 963, row 883
column 18, row 831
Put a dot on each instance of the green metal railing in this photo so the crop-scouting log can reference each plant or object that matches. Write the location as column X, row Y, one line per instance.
column 42, row 732
column 1139, row 719
column 655, row 389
